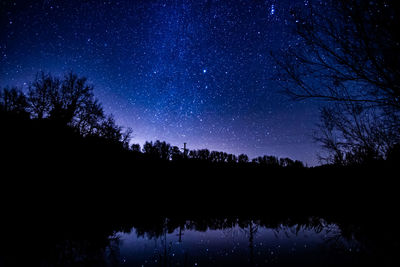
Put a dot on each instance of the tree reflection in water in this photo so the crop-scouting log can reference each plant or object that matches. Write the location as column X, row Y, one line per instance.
column 206, row 241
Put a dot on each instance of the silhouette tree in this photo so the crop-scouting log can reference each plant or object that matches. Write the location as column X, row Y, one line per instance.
column 286, row 162
column 69, row 101
column 289, row 163
column 13, row 101
column 243, row 158
column 40, row 94
column 176, row 154
column 267, row 161
column 355, row 135
column 158, row 150
column 193, row 154
column 109, row 130
column 297, row 164
column 231, row 159
column 135, row 147
column 89, row 118
column 214, row 156
column 348, row 53
column 204, row 154
column 164, row 149
column 70, row 98
column 149, row 149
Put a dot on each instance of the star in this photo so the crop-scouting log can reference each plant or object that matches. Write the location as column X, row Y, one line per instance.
column 272, row 12
column 171, row 61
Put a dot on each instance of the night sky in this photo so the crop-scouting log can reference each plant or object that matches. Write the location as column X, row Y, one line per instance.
column 198, row 72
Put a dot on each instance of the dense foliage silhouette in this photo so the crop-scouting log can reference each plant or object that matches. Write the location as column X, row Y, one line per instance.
column 58, row 134
column 61, row 118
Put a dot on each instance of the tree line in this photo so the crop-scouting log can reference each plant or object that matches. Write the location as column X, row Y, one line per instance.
column 161, row 150
column 69, row 103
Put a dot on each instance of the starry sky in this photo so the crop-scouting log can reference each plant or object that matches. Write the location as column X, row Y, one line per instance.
column 198, row 72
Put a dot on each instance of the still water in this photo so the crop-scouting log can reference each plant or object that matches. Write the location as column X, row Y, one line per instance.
column 235, row 243
column 204, row 241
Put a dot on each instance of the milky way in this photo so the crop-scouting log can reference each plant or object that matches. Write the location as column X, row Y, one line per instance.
column 198, row 72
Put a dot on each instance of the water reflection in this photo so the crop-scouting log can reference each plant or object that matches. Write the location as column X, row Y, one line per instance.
column 237, row 243
column 204, row 241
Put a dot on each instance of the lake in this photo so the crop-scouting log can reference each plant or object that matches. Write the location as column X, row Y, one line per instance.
column 237, row 244
column 203, row 241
